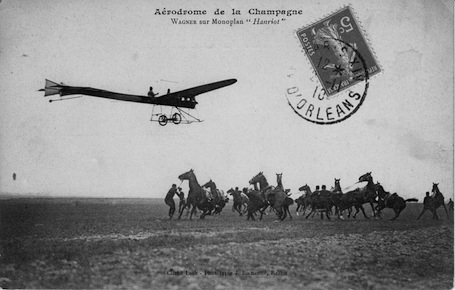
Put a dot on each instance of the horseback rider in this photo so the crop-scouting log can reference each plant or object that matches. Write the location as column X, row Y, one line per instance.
column 324, row 191
column 315, row 194
column 169, row 199
column 239, row 192
column 324, row 194
column 208, row 195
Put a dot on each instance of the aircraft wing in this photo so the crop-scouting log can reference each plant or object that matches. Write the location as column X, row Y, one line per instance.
column 204, row 88
column 186, row 98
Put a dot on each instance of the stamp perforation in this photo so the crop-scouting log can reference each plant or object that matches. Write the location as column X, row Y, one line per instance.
column 367, row 39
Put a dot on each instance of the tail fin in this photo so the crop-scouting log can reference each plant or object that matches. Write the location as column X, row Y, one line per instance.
column 411, row 199
column 51, row 88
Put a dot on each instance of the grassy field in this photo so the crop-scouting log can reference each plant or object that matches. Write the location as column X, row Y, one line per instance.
column 131, row 244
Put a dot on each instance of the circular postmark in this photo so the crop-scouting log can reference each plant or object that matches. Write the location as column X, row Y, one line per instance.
column 331, row 104
column 342, row 63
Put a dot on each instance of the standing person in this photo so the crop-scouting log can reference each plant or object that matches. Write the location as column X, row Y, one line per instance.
column 181, row 195
column 427, row 200
column 428, row 204
column 450, row 205
column 325, row 196
column 315, row 194
column 169, row 199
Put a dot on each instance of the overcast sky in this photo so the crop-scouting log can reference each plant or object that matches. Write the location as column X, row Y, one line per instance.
column 95, row 147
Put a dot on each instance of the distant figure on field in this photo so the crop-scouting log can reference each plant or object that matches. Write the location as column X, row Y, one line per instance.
column 450, row 205
column 427, row 204
column 169, row 199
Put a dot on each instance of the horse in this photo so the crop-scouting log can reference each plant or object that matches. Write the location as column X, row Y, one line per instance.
column 264, row 188
column 363, row 195
column 286, row 204
column 222, row 203
column 341, row 201
column 301, row 205
column 218, row 200
column 196, row 195
column 274, row 196
column 282, row 199
column 240, row 200
column 282, row 203
column 303, row 202
column 393, row 201
column 318, row 203
column 279, row 181
column 256, row 203
column 187, row 206
column 433, row 202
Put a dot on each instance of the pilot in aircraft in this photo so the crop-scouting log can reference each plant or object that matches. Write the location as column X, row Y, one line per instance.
column 151, row 93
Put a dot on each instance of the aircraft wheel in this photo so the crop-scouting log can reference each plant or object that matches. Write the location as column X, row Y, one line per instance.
column 176, row 118
column 162, row 120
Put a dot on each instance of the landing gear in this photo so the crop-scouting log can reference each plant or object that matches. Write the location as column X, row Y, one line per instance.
column 176, row 118
column 162, row 120
column 179, row 117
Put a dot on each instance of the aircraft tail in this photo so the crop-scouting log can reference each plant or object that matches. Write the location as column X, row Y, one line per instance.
column 51, row 88
column 412, row 199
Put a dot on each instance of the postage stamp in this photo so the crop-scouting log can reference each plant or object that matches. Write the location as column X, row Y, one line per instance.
column 343, row 63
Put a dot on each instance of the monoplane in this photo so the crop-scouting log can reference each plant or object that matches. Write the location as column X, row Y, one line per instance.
column 178, row 101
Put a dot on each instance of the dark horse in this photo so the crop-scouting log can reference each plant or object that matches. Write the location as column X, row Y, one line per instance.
column 196, row 195
column 303, row 202
column 264, row 190
column 363, row 195
column 276, row 197
column 219, row 200
column 341, row 201
column 432, row 203
column 393, row 201
column 256, row 202
column 240, row 200
column 319, row 203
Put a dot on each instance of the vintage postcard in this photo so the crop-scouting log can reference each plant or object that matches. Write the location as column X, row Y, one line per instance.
column 226, row 145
